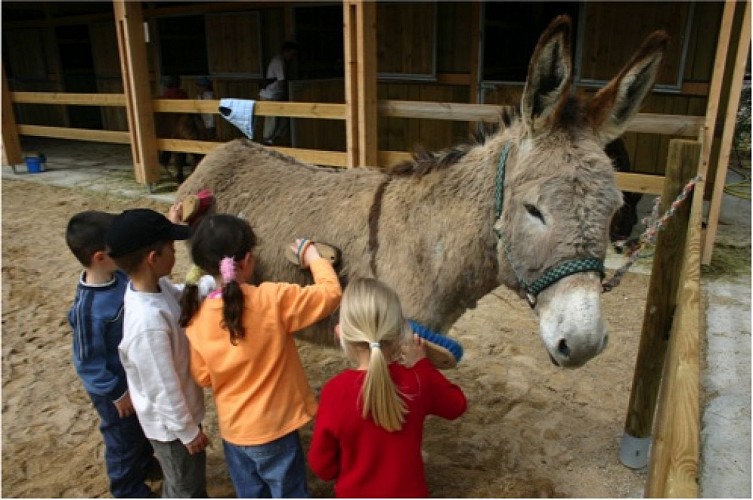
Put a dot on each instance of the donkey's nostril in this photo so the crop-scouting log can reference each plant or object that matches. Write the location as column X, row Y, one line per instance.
column 563, row 349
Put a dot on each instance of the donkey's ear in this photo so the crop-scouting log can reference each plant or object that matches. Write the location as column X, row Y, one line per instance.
column 549, row 77
column 612, row 107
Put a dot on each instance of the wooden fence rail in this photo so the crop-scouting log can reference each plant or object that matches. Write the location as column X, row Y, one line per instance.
column 676, row 125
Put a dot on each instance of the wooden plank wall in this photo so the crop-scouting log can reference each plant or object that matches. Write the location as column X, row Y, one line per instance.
column 240, row 44
column 31, row 54
column 234, row 43
column 614, row 30
column 318, row 134
column 107, row 72
column 648, row 152
column 454, row 22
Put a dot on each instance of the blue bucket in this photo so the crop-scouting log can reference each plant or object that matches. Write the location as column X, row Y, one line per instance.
column 34, row 164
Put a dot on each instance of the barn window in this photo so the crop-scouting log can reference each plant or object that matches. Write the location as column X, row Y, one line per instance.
column 607, row 41
column 182, row 45
column 511, row 31
column 406, row 40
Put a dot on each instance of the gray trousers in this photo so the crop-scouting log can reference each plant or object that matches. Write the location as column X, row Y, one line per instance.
column 185, row 475
column 275, row 127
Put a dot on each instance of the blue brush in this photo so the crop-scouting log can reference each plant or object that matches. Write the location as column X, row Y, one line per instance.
column 443, row 351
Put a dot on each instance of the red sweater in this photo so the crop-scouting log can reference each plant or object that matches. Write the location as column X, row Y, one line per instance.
column 366, row 460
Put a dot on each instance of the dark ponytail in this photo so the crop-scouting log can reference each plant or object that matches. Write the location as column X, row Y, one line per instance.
column 219, row 242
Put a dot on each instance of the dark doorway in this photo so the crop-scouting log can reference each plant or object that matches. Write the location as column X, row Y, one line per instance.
column 78, row 75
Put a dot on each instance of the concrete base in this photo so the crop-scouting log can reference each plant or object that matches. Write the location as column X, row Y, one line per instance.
column 634, row 451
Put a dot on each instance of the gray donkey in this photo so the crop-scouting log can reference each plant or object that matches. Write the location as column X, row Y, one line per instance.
column 528, row 207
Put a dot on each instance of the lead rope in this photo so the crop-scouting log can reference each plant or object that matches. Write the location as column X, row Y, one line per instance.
column 653, row 224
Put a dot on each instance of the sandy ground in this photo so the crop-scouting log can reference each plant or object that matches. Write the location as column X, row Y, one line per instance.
column 531, row 429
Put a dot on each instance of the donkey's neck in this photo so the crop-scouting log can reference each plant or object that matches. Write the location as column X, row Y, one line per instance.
column 437, row 234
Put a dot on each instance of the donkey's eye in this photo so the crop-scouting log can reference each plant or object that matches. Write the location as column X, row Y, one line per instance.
column 534, row 212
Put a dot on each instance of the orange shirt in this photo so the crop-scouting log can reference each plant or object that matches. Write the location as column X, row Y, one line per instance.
column 260, row 388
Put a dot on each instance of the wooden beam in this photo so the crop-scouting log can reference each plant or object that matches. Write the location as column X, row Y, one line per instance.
column 11, row 145
column 367, row 82
column 79, row 134
column 730, row 120
column 660, row 304
column 651, row 123
column 717, row 76
column 359, row 25
column 129, row 25
column 673, row 469
column 639, row 183
column 69, row 98
column 350, row 49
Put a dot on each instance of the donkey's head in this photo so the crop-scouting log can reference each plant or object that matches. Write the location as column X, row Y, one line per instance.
column 559, row 192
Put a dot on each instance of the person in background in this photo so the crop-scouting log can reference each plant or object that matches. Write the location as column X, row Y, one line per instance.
column 172, row 88
column 276, row 89
column 205, row 91
column 97, row 321
column 368, row 431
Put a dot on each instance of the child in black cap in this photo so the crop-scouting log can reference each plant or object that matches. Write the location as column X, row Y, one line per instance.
column 155, row 351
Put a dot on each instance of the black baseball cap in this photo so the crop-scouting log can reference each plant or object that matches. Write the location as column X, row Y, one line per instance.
column 140, row 227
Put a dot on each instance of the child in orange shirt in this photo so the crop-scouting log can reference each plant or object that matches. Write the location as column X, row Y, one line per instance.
column 242, row 347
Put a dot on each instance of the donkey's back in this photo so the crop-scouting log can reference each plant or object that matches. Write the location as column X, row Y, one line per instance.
column 283, row 199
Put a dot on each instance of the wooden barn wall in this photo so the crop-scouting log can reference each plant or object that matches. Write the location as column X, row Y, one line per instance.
column 405, row 134
column 614, row 30
column 318, row 134
column 104, row 44
column 454, row 25
column 452, row 21
column 240, row 45
column 648, row 152
column 32, row 60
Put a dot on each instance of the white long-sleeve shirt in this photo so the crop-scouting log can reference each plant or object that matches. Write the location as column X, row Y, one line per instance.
column 156, row 356
column 275, row 71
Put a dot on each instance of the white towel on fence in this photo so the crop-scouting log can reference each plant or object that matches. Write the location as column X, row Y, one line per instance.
column 239, row 112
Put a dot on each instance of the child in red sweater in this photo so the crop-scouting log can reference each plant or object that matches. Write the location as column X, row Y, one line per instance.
column 369, row 428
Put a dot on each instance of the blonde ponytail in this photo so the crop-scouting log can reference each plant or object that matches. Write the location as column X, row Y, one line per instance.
column 371, row 318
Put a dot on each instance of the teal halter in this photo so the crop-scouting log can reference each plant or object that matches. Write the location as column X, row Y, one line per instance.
column 553, row 274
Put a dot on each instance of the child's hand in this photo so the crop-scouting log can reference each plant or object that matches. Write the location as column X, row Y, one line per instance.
column 413, row 351
column 199, row 444
column 124, row 406
column 175, row 214
column 310, row 253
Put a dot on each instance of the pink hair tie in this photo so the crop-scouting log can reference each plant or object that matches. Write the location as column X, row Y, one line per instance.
column 227, row 269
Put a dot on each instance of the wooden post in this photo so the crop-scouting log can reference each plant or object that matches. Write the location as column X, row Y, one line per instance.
column 733, row 101
column 673, row 470
column 660, row 304
column 129, row 25
column 11, row 145
column 712, row 104
column 359, row 24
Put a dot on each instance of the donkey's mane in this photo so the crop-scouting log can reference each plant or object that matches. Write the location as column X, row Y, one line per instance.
column 424, row 162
